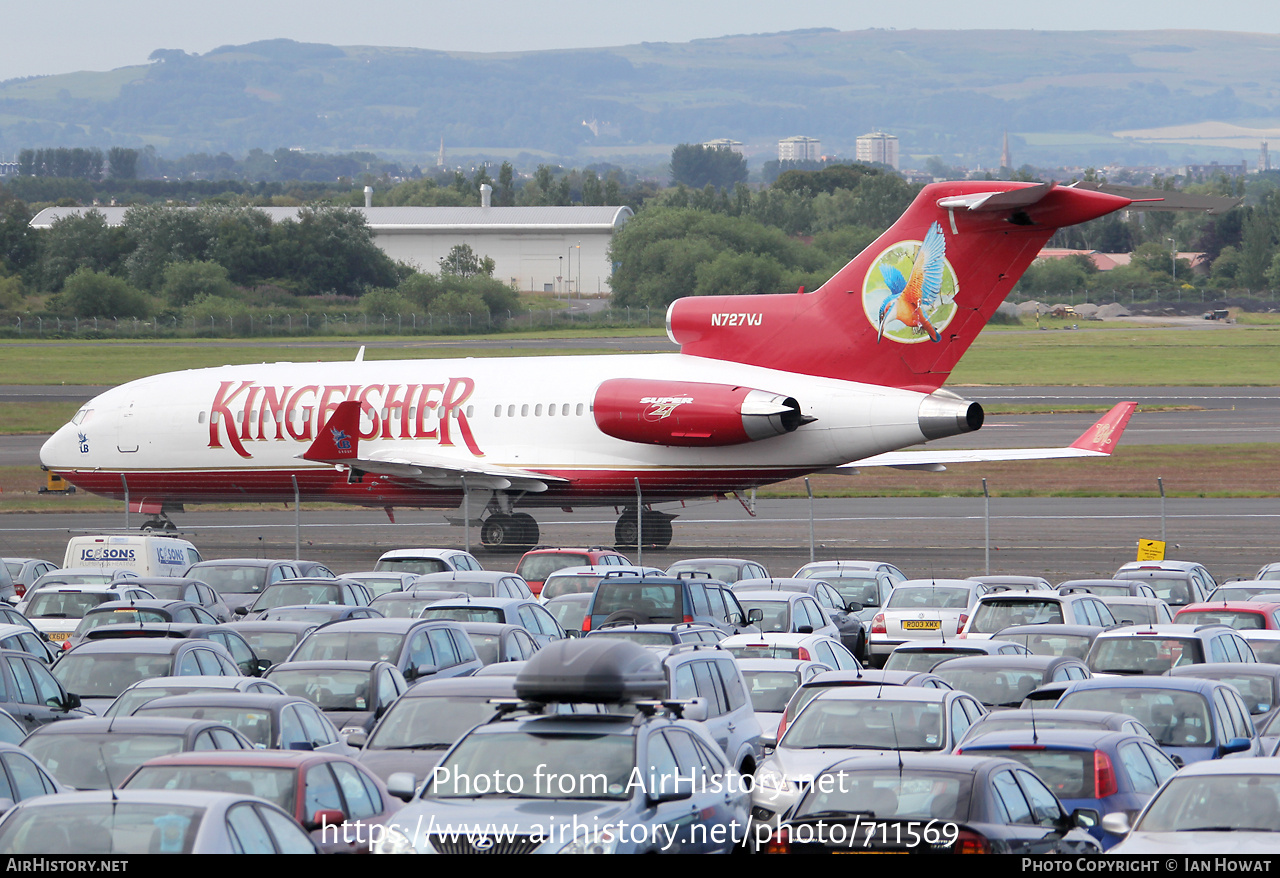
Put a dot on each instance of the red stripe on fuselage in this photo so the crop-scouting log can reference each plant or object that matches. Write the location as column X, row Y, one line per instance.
column 583, row 488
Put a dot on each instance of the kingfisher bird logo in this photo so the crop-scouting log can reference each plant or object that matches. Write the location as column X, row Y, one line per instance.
column 341, row 440
column 909, row 293
column 83, row 439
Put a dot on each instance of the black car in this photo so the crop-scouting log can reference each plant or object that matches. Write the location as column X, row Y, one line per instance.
column 353, row 694
column 932, row 804
column 32, row 695
column 416, row 647
column 1001, row 682
column 99, row 670
column 273, row 722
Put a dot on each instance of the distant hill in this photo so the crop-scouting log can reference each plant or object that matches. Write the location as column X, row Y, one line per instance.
column 1061, row 95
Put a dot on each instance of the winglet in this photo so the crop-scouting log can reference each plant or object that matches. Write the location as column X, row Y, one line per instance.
column 1102, row 437
column 338, row 439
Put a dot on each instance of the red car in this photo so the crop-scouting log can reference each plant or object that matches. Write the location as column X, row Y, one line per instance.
column 1241, row 615
column 337, row 800
column 537, row 564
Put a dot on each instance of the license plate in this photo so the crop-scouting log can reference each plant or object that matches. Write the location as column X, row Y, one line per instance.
column 59, row 635
column 922, row 625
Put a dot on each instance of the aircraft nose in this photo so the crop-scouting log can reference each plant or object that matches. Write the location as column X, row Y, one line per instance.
column 61, row 449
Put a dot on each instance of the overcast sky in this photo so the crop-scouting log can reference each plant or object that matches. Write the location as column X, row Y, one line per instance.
column 60, row 36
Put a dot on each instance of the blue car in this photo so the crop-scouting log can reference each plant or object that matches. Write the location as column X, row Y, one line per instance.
column 1104, row 770
column 1192, row 719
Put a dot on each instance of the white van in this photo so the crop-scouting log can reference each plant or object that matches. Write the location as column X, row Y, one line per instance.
column 144, row 554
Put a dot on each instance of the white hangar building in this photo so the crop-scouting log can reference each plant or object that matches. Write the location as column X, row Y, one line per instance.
column 540, row 249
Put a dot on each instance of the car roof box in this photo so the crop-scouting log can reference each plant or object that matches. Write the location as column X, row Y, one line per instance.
column 601, row 670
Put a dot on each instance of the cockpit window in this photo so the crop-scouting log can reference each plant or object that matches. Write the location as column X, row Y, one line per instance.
column 81, row 416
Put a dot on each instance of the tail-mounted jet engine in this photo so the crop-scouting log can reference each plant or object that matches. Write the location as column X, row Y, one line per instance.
column 692, row 414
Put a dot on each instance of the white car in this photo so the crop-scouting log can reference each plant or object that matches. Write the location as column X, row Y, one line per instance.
column 56, row 611
column 1218, row 806
column 923, row 609
column 1003, row 609
column 423, row 561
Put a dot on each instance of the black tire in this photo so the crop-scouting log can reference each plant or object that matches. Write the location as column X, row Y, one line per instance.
column 624, row 532
column 527, row 526
column 498, row 530
column 657, row 530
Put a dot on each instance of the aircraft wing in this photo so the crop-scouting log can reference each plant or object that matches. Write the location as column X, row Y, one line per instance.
column 338, row 443
column 1097, row 441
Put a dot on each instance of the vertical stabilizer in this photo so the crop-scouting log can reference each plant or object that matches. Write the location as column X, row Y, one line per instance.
column 905, row 310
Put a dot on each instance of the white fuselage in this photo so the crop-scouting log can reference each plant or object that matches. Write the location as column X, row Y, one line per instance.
column 235, row 432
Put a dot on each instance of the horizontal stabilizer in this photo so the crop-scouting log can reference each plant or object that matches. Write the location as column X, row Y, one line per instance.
column 1097, row 441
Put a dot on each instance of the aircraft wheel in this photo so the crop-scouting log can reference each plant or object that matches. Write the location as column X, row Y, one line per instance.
column 528, row 529
column 624, row 532
column 657, row 530
column 499, row 530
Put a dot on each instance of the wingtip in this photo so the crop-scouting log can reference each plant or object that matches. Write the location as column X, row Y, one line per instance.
column 1101, row 438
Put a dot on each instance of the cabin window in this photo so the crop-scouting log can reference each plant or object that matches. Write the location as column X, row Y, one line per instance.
column 511, row 411
column 537, row 410
column 471, row 411
column 551, row 410
column 579, row 409
column 497, row 411
column 200, row 418
column 564, row 412
column 524, row 410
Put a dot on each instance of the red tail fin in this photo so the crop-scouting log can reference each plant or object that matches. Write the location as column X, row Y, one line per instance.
column 905, row 310
column 339, row 438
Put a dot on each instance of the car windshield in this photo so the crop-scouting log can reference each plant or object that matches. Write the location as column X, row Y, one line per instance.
column 1174, row 592
column 771, row 690
column 1143, row 655
column 420, row 566
column 232, row 579
column 289, row 595
column 537, row 568
column 996, row 613
column 430, row 723
column 99, row 761
column 532, row 765
column 274, row 646
column 464, row 613
column 65, row 604
column 570, row 583
column 276, row 785
column 403, row 609
column 106, row 675
column 890, row 793
column 776, row 615
column 928, row 596
column 870, row 724
column 102, row 828
column 923, row 659
column 254, row 723
column 1239, row 619
column 661, row 602
column 994, row 687
column 1174, row 718
column 1266, row 650
column 329, row 690
column 862, row 588
column 1073, row 645
column 1234, row 802
column 359, row 646
column 122, row 616
column 136, row 696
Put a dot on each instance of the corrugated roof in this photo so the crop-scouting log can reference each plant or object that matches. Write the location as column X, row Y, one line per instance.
column 419, row 218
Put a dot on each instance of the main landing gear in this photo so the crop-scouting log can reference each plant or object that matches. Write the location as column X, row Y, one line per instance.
column 654, row 528
column 513, row 531
column 518, row 531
